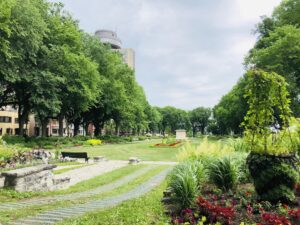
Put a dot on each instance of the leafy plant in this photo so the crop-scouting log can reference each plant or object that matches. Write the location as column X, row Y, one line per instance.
column 266, row 92
column 223, row 173
column 185, row 181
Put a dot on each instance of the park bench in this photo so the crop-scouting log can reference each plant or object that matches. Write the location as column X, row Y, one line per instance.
column 77, row 155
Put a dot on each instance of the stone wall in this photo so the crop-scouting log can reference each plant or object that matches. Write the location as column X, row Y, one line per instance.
column 37, row 178
column 1, row 181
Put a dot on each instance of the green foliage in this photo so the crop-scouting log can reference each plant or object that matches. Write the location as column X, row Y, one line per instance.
column 206, row 150
column 274, row 177
column 199, row 119
column 229, row 113
column 239, row 144
column 223, row 173
column 185, row 180
column 277, row 48
column 266, row 92
column 173, row 119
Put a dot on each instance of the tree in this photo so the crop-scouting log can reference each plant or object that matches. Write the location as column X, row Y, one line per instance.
column 229, row 113
column 173, row 118
column 278, row 46
column 27, row 31
column 199, row 118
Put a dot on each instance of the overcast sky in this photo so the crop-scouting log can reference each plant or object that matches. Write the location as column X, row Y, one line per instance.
column 189, row 53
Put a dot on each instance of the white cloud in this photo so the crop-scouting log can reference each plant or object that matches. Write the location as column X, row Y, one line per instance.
column 188, row 53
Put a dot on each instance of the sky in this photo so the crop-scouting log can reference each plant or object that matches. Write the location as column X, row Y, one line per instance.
column 189, row 53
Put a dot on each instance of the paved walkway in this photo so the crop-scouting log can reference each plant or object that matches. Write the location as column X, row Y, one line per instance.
column 88, row 172
column 76, row 195
column 60, row 214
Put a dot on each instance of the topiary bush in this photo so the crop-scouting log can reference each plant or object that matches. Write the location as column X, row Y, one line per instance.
column 223, row 173
column 272, row 161
column 275, row 177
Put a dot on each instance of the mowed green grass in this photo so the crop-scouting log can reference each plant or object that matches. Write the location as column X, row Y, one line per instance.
column 142, row 150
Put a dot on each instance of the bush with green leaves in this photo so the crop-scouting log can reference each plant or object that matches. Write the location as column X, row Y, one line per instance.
column 273, row 159
column 185, row 181
column 274, row 177
column 223, row 173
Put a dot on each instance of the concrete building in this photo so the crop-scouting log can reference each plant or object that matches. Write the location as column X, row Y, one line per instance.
column 110, row 37
column 9, row 123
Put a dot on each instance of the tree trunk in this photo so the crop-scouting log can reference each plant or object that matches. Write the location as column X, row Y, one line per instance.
column 22, row 116
column 86, row 128
column 61, row 125
column 117, row 130
column 194, row 131
column 97, row 129
column 44, row 124
column 76, row 127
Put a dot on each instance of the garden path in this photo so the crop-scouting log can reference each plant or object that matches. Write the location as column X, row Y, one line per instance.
column 76, row 195
column 88, row 172
column 60, row 214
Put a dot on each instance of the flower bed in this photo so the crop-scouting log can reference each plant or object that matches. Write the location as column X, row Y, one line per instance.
column 238, row 208
column 174, row 144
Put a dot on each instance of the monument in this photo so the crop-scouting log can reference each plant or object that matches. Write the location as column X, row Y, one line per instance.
column 180, row 134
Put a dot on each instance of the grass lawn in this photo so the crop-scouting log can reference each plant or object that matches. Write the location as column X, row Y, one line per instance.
column 145, row 210
column 142, row 150
column 7, row 216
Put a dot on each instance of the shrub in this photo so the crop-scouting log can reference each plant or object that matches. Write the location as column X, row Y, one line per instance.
column 239, row 144
column 6, row 153
column 185, row 180
column 274, row 177
column 13, row 139
column 205, row 151
column 94, row 142
column 223, row 173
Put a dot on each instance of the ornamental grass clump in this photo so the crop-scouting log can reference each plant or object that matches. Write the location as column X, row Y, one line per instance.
column 272, row 160
column 223, row 173
column 185, row 181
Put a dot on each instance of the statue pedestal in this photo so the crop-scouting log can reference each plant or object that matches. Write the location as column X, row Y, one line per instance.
column 180, row 134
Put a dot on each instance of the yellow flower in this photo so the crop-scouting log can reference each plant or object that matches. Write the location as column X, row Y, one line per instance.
column 203, row 219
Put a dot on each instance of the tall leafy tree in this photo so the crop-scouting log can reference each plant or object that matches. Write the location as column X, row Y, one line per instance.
column 229, row 113
column 199, row 119
column 278, row 46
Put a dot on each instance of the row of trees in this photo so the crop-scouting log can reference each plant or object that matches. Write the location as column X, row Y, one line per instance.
column 53, row 69
column 277, row 50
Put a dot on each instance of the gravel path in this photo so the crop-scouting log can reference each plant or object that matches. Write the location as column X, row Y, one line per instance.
column 88, row 172
column 72, row 196
column 57, row 215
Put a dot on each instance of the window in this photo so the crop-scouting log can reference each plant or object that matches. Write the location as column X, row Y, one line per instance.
column 8, row 131
column 5, row 119
column 16, row 120
column 54, row 131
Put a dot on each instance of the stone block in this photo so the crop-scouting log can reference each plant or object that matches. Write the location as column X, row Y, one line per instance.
column 134, row 160
column 99, row 159
column 61, row 183
column 37, row 178
column 2, row 181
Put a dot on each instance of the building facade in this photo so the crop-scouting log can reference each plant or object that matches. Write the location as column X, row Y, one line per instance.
column 9, row 123
column 111, row 38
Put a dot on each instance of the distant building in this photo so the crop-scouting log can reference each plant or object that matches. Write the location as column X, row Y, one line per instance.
column 110, row 37
column 9, row 123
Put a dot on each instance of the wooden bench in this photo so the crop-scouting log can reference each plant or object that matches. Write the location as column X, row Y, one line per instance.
column 77, row 155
